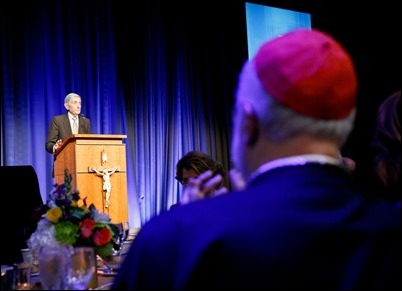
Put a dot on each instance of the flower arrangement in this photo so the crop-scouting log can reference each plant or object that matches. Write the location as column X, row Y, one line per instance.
column 67, row 219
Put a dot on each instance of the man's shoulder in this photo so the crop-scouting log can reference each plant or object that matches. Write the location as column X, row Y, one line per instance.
column 84, row 119
column 60, row 116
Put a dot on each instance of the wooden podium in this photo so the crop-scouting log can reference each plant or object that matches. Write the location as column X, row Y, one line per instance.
column 97, row 163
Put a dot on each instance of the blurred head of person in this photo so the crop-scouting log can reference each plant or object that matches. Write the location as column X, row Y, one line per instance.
column 194, row 163
column 386, row 145
column 296, row 96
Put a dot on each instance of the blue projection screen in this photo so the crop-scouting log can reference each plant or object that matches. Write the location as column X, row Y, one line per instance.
column 266, row 22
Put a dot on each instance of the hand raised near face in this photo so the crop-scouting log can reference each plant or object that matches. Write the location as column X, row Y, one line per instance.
column 205, row 185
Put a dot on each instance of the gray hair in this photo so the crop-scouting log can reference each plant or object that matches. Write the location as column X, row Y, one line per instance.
column 69, row 96
column 279, row 122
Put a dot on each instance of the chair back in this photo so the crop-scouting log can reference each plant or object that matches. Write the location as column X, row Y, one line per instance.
column 19, row 199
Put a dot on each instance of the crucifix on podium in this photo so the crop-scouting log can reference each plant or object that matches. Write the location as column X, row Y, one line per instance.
column 107, row 183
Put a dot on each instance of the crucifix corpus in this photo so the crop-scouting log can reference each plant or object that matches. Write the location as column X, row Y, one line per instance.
column 105, row 173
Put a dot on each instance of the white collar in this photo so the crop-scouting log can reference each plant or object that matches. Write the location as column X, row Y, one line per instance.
column 294, row 161
column 71, row 117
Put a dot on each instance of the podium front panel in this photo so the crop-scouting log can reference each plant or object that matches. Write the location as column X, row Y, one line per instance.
column 80, row 155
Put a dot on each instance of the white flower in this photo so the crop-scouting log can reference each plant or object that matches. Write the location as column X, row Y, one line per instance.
column 43, row 235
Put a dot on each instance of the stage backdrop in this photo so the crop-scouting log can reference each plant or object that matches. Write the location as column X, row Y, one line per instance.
column 139, row 72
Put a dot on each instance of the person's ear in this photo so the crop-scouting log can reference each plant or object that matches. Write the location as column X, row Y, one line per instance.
column 251, row 124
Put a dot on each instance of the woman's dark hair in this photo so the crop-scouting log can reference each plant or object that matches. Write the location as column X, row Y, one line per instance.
column 199, row 162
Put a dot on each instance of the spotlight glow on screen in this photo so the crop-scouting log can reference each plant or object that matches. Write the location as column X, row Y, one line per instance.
column 266, row 22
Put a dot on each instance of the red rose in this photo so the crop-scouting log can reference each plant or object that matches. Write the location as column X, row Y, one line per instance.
column 87, row 227
column 102, row 236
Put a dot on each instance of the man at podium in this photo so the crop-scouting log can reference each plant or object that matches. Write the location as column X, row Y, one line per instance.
column 63, row 125
column 66, row 124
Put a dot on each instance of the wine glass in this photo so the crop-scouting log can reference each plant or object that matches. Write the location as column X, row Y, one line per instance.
column 125, row 245
column 53, row 262
column 123, row 231
column 82, row 268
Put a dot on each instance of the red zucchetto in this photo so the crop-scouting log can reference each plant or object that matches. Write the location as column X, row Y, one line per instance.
column 310, row 65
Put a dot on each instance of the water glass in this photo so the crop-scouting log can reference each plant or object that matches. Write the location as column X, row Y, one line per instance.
column 22, row 277
column 82, row 268
column 54, row 261
column 29, row 259
column 17, row 277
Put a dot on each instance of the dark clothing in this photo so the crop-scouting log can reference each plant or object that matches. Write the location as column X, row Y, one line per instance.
column 60, row 128
column 293, row 228
column 21, row 197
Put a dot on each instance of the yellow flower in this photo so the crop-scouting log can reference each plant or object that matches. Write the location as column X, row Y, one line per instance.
column 54, row 214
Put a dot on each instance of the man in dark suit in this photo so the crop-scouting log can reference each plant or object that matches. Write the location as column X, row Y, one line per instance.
column 63, row 125
column 72, row 122
column 299, row 223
